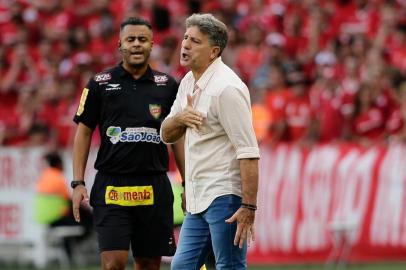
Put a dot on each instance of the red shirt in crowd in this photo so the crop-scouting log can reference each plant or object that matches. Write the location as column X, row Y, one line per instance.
column 327, row 108
column 370, row 124
column 248, row 60
column 395, row 122
column 298, row 117
column 276, row 101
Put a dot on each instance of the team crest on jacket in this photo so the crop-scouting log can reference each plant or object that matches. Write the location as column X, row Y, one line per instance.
column 155, row 110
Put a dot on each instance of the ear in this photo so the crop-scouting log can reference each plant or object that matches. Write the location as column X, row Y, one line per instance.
column 215, row 51
column 119, row 44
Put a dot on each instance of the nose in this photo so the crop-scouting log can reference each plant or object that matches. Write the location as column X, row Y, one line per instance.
column 136, row 42
column 186, row 43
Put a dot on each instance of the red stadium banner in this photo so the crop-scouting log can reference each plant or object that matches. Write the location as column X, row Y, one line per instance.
column 19, row 171
column 315, row 202
column 310, row 201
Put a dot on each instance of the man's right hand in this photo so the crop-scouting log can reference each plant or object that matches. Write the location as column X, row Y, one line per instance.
column 189, row 117
column 79, row 195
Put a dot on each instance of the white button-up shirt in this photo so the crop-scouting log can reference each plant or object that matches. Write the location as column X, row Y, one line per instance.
column 226, row 135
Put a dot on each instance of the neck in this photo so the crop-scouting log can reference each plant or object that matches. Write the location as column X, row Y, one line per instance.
column 136, row 72
column 197, row 73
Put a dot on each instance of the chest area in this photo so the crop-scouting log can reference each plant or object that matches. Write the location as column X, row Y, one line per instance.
column 140, row 99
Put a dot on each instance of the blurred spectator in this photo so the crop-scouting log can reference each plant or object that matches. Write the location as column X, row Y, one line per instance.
column 274, row 56
column 396, row 125
column 167, row 59
column 299, row 115
column 381, row 88
column 22, row 74
column 261, row 120
column 52, row 203
column 20, row 118
column 326, row 99
column 276, row 98
column 233, row 46
column 38, row 135
column 369, row 120
column 58, row 104
column 350, row 84
column 161, row 22
column 251, row 53
column 228, row 10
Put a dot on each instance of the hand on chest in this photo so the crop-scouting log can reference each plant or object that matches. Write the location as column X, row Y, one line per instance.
column 203, row 104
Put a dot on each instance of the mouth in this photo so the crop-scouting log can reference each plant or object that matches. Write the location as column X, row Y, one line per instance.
column 184, row 56
column 135, row 56
column 137, row 53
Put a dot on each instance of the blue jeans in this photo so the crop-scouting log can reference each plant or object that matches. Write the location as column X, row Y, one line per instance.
column 204, row 231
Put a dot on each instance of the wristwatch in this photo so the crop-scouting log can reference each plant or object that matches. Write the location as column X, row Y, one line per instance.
column 76, row 183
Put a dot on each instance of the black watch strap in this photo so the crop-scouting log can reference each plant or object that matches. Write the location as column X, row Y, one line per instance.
column 76, row 183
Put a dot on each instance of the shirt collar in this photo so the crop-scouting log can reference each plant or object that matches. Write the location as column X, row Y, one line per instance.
column 208, row 73
column 148, row 75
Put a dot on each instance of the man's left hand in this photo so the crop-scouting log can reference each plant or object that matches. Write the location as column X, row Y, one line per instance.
column 245, row 226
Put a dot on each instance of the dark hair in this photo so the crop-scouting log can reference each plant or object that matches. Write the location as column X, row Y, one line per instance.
column 53, row 159
column 135, row 21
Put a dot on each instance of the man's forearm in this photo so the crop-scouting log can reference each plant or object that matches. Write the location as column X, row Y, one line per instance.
column 81, row 148
column 172, row 130
column 249, row 177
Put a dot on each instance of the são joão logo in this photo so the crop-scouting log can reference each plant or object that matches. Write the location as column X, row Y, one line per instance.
column 138, row 134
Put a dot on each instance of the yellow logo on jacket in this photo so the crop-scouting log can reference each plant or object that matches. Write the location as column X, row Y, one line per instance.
column 129, row 196
column 82, row 102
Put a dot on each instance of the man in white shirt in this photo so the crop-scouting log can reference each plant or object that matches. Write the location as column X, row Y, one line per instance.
column 212, row 113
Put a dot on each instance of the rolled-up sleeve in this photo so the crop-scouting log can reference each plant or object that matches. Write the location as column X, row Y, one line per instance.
column 236, row 118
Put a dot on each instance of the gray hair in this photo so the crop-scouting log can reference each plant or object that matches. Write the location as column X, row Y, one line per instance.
column 210, row 26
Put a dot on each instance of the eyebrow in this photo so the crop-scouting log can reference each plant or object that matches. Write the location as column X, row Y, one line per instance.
column 135, row 36
column 192, row 37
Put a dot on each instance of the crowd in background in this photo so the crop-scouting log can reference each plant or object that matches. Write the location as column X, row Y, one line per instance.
column 318, row 70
